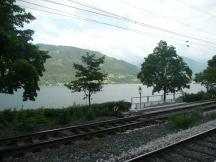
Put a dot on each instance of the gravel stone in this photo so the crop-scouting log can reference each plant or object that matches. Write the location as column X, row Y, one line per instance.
column 164, row 141
column 116, row 147
column 172, row 156
column 195, row 155
column 98, row 149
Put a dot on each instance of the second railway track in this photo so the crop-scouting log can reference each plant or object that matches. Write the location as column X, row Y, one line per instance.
column 198, row 148
column 17, row 146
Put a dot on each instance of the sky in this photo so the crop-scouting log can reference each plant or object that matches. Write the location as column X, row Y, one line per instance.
column 188, row 25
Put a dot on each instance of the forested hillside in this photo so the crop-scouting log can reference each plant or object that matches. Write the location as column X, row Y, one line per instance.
column 59, row 68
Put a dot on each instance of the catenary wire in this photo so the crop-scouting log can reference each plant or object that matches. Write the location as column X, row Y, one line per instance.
column 196, row 8
column 132, row 21
column 116, row 26
column 163, row 16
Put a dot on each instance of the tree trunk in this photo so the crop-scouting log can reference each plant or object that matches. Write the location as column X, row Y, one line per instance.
column 164, row 94
column 2, row 70
column 89, row 99
column 207, row 87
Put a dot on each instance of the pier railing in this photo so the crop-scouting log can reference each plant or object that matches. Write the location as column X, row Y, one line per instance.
column 139, row 103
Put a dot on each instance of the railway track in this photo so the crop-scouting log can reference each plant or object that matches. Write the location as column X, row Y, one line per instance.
column 18, row 146
column 198, row 148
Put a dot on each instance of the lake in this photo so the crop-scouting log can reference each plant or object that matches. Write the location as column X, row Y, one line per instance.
column 60, row 96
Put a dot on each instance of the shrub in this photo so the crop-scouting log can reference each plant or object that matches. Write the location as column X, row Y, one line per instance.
column 28, row 119
column 63, row 118
column 198, row 96
column 90, row 115
column 183, row 121
column 25, row 125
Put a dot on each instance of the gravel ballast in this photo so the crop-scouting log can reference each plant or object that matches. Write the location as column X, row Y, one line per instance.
column 115, row 147
column 99, row 148
column 164, row 141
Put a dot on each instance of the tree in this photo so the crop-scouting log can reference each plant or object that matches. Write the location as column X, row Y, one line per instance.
column 21, row 62
column 208, row 76
column 165, row 70
column 89, row 76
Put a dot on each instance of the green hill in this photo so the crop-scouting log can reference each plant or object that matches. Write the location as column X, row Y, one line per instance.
column 59, row 68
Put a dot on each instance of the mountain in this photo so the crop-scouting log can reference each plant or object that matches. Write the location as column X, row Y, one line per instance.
column 195, row 66
column 59, row 68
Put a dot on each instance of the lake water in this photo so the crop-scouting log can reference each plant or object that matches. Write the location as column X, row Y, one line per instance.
column 60, row 96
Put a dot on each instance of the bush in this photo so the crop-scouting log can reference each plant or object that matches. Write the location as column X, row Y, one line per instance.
column 63, row 118
column 28, row 119
column 184, row 121
column 90, row 115
column 200, row 96
column 25, row 125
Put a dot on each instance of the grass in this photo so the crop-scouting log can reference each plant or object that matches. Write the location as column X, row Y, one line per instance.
column 30, row 118
column 184, row 121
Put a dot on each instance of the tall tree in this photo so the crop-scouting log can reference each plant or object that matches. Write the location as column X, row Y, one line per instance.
column 21, row 62
column 165, row 70
column 208, row 76
column 89, row 76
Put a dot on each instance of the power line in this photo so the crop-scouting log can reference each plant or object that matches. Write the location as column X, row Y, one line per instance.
column 95, row 21
column 131, row 21
column 95, row 8
column 100, row 22
column 89, row 6
column 108, row 24
column 132, row 5
column 197, row 8
column 92, row 7
column 163, row 16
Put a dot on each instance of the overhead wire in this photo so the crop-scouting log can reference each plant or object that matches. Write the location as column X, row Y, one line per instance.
column 131, row 21
column 104, row 23
column 163, row 16
column 166, row 17
column 196, row 8
column 95, row 21
column 121, row 27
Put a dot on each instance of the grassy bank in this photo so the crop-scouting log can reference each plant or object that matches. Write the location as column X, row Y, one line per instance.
column 30, row 118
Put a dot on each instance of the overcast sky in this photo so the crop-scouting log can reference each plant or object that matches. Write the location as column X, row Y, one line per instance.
column 194, row 19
